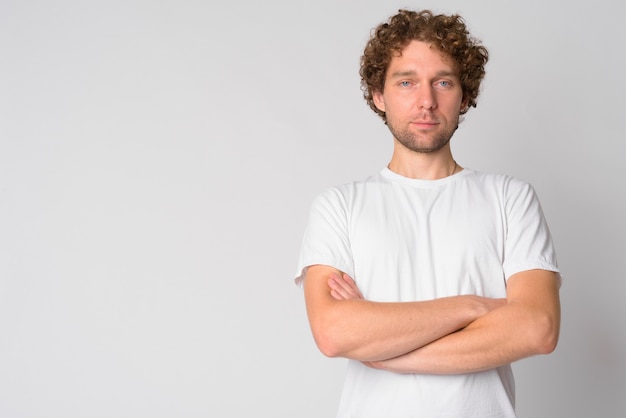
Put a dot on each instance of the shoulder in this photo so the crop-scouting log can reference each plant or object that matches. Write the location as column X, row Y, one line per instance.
column 517, row 197
column 346, row 192
column 494, row 178
column 506, row 184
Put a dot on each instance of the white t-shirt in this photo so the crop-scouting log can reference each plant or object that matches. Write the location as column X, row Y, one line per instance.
column 404, row 239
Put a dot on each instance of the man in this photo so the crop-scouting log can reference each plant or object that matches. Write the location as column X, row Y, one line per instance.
column 455, row 274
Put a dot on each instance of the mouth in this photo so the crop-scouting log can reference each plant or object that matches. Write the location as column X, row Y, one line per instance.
column 425, row 124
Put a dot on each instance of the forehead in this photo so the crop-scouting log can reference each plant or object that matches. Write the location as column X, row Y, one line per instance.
column 424, row 55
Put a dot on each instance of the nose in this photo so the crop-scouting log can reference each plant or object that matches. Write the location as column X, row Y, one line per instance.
column 426, row 98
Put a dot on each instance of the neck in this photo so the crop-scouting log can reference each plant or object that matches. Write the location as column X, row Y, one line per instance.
column 424, row 166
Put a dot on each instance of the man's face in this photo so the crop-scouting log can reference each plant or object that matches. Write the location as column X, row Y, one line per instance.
column 422, row 98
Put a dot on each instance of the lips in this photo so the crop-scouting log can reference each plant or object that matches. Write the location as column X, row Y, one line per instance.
column 425, row 124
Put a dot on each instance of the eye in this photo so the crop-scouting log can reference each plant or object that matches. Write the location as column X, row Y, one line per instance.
column 405, row 83
column 444, row 83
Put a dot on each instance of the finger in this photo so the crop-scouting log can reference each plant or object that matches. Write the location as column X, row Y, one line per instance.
column 337, row 290
column 344, row 286
column 350, row 281
column 344, row 290
column 347, row 286
column 336, row 295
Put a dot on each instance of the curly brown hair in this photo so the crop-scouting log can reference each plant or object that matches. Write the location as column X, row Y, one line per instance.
column 447, row 33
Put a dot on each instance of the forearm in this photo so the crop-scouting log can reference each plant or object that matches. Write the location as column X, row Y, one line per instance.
column 505, row 335
column 364, row 330
column 367, row 331
column 489, row 342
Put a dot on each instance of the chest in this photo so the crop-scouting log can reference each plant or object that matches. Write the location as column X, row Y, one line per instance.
column 427, row 244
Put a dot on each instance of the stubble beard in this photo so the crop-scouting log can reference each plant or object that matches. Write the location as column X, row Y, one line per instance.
column 424, row 143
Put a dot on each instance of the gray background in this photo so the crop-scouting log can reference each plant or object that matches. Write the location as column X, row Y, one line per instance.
column 158, row 159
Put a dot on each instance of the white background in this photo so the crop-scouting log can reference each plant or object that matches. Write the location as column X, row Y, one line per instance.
column 157, row 163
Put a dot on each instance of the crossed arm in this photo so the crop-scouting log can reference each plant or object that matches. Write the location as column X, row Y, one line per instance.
column 459, row 334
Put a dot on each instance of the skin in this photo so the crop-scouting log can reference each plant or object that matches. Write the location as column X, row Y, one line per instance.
column 526, row 325
column 423, row 100
column 362, row 330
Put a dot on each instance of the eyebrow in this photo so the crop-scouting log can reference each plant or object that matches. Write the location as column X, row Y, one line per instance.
column 409, row 73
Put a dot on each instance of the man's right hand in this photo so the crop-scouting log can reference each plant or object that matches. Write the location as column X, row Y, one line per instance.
column 343, row 287
column 345, row 324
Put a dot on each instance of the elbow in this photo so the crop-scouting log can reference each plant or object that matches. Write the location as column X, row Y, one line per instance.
column 328, row 347
column 545, row 334
column 549, row 343
column 328, row 341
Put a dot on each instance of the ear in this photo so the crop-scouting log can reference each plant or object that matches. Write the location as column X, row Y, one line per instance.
column 379, row 101
column 464, row 104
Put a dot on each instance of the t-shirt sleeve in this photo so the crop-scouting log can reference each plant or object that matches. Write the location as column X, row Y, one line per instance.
column 529, row 243
column 326, row 237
